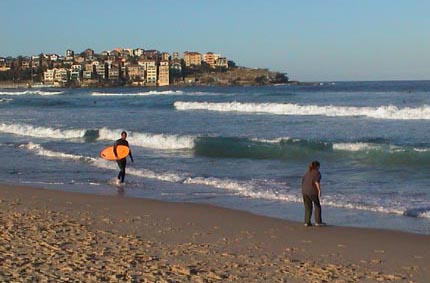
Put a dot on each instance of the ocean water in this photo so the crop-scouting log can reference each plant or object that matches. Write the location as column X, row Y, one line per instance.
column 238, row 147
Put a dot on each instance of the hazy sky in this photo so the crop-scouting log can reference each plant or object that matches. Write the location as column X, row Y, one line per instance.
column 311, row 40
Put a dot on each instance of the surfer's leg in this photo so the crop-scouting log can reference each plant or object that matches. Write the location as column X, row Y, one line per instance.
column 121, row 164
column 308, row 209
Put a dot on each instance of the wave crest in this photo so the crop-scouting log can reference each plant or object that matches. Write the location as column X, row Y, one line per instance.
column 157, row 141
column 40, row 132
column 383, row 112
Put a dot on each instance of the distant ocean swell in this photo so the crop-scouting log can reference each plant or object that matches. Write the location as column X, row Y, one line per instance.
column 146, row 93
column 31, row 92
column 152, row 92
column 383, row 112
column 256, row 189
column 283, row 148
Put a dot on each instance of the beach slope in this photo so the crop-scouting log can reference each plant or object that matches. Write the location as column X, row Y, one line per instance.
column 53, row 236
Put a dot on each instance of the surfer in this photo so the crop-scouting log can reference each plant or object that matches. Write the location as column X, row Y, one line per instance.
column 311, row 191
column 122, row 163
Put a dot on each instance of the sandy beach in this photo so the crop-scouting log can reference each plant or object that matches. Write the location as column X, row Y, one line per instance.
column 53, row 236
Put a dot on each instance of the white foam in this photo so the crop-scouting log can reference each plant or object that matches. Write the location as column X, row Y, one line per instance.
column 255, row 189
column 144, row 173
column 5, row 100
column 147, row 93
column 272, row 141
column 39, row 150
column 157, row 141
column 424, row 214
column 421, row 149
column 382, row 112
column 31, row 92
column 357, row 146
column 40, row 132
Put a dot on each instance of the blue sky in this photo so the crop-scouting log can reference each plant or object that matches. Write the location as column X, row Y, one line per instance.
column 321, row 40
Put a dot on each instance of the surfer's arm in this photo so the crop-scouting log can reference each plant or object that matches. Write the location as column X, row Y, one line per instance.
column 131, row 156
column 114, row 149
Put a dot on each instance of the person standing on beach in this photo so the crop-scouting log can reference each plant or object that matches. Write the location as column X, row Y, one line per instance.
column 122, row 163
column 311, row 191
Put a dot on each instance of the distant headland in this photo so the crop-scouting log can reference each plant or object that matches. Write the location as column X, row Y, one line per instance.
column 130, row 67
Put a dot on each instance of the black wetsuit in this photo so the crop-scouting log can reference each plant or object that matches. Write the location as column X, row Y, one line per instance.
column 122, row 163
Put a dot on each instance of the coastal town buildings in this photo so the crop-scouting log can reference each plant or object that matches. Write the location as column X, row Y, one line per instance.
column 112, row 67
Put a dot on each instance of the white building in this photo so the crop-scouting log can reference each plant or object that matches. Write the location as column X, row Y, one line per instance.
column 138, row 51
column 61, row 75
column 49, row 75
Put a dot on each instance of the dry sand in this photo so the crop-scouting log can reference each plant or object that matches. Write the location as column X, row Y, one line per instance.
column 52, row 236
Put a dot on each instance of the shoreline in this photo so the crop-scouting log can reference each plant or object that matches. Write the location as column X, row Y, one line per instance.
column 124, row 238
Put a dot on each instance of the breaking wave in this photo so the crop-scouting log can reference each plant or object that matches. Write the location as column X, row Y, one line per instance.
column 31, row 92
column 158, row 141
column 41, row 132
column 284, row 148
column 383, row 112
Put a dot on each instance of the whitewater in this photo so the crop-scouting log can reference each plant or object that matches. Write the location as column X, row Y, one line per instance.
column 382, row 112
column 256, row 189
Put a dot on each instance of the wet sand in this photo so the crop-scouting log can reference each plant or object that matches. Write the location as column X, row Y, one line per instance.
column 53, row 236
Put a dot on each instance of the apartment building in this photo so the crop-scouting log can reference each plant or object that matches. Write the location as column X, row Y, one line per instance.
column 61, row 75
column 114, row 73
column 151, row 54
column 49, row 75
column 221, row 62
column 87, row 75
column 176, row 65
column 146, row 63
column 25, row 64
column 70, row 54
column 210, row 58
column 175, row 55
column 163, row 73
column 136, row 72
column 192, row 59
column 89, row 53
column 101, row 70
column 165, row 56
column 151, row 74
column 138, row 52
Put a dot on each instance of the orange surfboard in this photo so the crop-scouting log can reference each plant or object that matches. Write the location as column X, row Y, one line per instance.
column 121, row 150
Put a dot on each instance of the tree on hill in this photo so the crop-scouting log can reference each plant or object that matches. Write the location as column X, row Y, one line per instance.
column 262, row 80
column 281, row 78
